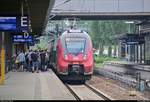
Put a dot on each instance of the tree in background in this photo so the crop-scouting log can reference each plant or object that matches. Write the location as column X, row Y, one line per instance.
column 103, row 32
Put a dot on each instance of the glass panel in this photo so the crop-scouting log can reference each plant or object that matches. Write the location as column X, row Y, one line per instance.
column 75, row 45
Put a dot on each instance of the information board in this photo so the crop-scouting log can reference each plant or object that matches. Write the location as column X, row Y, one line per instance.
column 8, row 23
column 22, row 39
column 15, row 24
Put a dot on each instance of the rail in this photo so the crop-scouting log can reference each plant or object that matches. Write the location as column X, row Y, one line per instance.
column 91, row 93
column 72, row 92
column 98, row 92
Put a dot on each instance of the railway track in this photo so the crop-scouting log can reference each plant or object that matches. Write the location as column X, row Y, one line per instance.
column 86, row 92
column 117, row 76
column 130, row 69
column 128, row 74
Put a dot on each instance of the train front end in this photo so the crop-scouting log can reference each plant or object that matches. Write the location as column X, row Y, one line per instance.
column 75, row 56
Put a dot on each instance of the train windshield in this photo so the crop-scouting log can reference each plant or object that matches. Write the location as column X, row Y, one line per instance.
column 75, row 45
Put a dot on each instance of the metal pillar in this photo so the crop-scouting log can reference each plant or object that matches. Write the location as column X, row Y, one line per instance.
column 137, row 53
column 144, row 52
column 119, row 49
column 134, row 53
column 129, row 52
column 22, row 8
column 126, row 51
column 55, row 43
column 2, row 78
column 141, row 52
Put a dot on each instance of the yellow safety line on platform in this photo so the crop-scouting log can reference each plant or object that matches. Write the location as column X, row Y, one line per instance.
column 2, row 77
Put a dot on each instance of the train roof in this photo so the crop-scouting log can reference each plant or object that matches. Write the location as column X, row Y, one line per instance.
column 75, row 32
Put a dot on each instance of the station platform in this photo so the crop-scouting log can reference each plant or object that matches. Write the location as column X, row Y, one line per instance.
column 34, row 86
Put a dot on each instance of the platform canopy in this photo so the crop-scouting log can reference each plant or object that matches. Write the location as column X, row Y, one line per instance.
column 37, row 10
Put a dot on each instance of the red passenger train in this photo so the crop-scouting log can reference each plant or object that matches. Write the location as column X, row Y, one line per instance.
column 74, row 56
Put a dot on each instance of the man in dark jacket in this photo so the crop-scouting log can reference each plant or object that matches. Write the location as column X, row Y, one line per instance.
column 34, row 57
column 42, row 56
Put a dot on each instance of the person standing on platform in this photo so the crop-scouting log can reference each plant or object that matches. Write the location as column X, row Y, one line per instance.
column 34, row 57
column 30, row 60
column 42, row 56
column 39, row 60
column 17, row 62
column 46, row 60
column 27, row 60
column 14, row 62
column 21, row 58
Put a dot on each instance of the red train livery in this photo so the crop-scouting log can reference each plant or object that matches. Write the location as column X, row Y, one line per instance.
column 74, row 55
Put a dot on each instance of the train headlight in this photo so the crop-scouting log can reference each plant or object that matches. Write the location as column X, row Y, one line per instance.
column 66, row 57
column 85, row 56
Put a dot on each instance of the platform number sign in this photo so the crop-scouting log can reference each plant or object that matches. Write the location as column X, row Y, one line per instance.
column 24, row 24
column 26, row 34
column 24, row 21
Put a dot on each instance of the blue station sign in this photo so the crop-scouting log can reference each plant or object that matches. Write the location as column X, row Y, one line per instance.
column 15, row 24
column 22, row 39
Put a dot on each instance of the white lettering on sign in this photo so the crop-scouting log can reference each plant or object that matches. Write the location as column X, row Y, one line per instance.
column 24, row 21
column 26, row 34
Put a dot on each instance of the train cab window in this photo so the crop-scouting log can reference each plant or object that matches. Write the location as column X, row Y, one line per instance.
column 75, row 45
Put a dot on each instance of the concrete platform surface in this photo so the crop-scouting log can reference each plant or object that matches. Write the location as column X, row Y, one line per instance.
column 34, row 86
